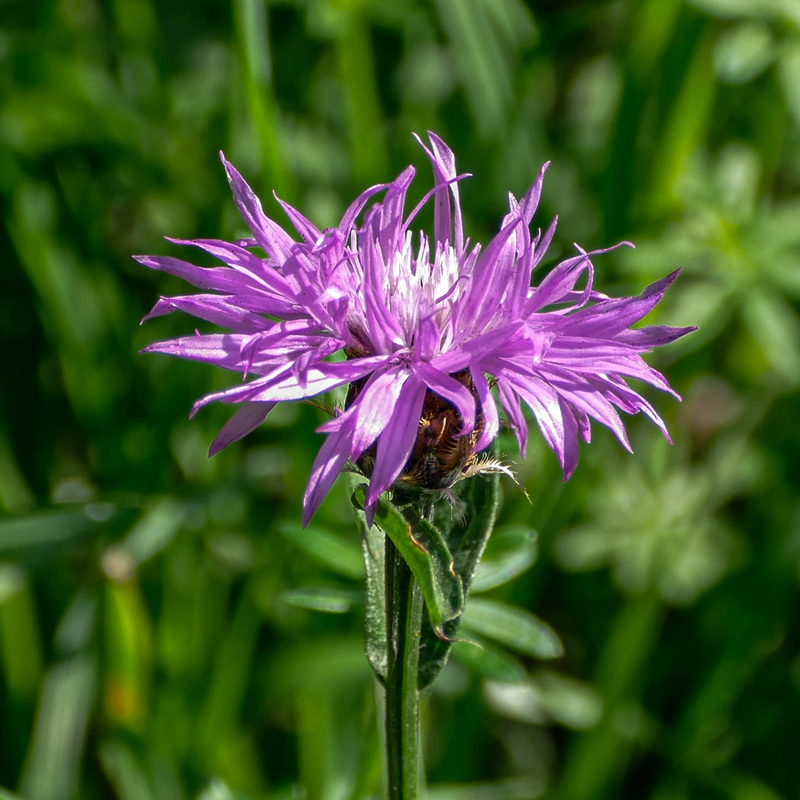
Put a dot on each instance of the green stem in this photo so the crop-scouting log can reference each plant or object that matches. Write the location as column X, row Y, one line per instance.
column 403, row 622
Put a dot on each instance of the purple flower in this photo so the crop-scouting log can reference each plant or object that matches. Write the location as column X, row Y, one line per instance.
column 433, row 333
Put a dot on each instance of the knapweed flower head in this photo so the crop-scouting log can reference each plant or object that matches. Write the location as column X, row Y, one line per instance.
column 437, row 335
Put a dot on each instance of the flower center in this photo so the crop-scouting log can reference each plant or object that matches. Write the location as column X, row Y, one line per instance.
column 440, row 454
column 413, row 288
column 418, row 287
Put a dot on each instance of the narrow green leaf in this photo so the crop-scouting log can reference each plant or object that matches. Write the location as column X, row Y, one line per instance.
column 568, row 701
column 231, row 675
column 744, row 52
column 510, row 789
column 358, row 80
column 335, row 661
column 319, row 598
column 128, row 662
column 519, row 701
column 489, row 661
column 78, row 624
column 513, row 627
column 547, row 697
column 335, row 552
column 124, row 772
column 20, row 646
column 15, row 494
column 250, row 18
column 150, row 535
column 217, row 789
column 46, row 528
column 53, row 764
column 508, row 554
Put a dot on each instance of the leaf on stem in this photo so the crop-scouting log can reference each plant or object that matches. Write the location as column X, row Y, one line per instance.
column 467, row 539
column 509, row 553
column 373, row 543
column 428, row 557
column 489, row 661
column 518, row 629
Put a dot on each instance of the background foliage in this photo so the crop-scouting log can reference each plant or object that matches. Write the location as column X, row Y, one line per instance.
column 157, row 637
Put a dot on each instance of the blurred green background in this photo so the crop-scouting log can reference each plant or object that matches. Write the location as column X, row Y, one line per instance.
column 158, row 632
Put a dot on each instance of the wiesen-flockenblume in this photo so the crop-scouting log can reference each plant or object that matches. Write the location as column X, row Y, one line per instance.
column 434, row 336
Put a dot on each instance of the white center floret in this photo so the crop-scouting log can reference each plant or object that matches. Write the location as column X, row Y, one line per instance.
column 417, row 287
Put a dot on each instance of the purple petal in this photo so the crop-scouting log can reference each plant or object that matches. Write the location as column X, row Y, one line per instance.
column 357, row 429
column 356, row 207
column 491, row 425
column 444, row 172
column 575, row 299
column 243, row 261
column 307, row 229
column 476, row 348
column 652, row 336
column 631, row 367
column 263, row 303
column 282, row 385
column 519, row 285
column 328, row 464
column 530, row 202
column 541, row 245
column 392, row 209
column 321, row 378
column 451, row 390
column 584, row 396
column 489, row 271
column 516, row 418
column 220, row 349
column 622, row 394
column 582, row 349
column 425, row 198
column 212, row 308
column 397, row 440
column 272, row 238
column 383, row 328
column 544, row 402
column 375, row 406
column 584, row 424
column 610, row 317
column 572, row 447
column 558, row 282
column 427, row 339
column 217, row 279
column 243, row 422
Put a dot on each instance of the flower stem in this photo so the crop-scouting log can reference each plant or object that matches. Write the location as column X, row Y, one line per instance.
column 403, row 622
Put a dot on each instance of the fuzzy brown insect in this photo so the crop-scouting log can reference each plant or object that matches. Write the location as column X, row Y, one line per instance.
column 440, row 455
